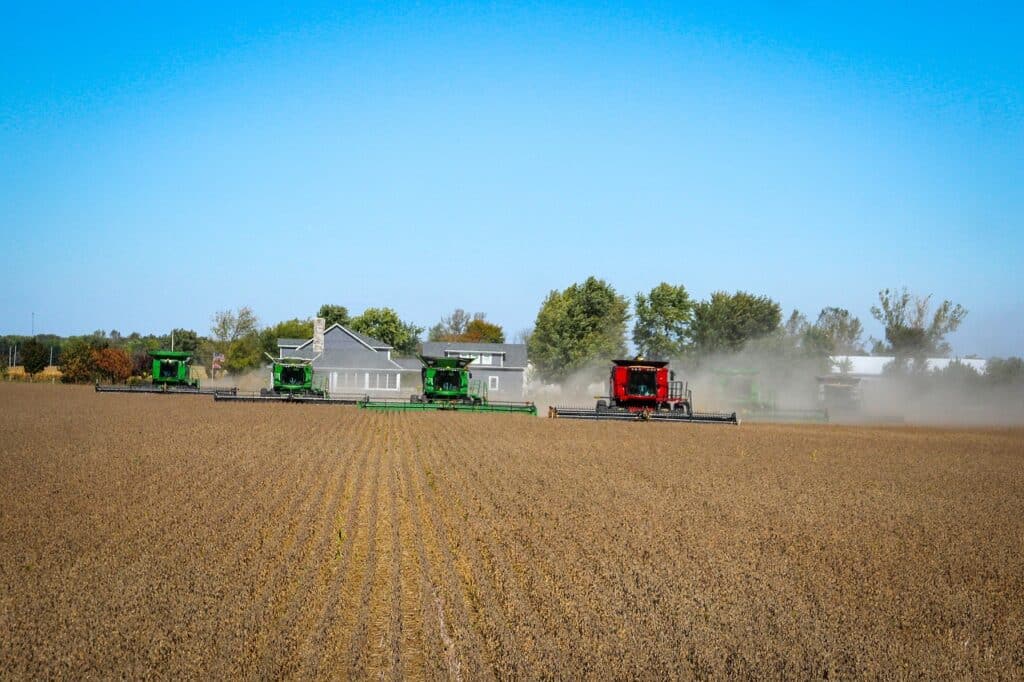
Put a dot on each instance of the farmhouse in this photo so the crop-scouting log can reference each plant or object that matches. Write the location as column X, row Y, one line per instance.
column 500, row 366
column 355, row 363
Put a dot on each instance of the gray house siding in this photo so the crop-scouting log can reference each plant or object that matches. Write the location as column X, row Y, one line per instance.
column 500, row 366
column 352, row 363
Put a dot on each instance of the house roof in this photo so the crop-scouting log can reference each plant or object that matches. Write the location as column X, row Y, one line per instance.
column 515, row 353
column 874, row 365
column 408, row 363
column 368, row 341
column 290, row 343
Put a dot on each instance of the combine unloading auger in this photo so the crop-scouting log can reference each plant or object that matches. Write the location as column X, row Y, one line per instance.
column 170, row 376
column 644, row 390
column 447, row 385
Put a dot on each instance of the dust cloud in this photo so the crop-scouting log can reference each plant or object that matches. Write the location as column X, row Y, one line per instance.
column 776, row 383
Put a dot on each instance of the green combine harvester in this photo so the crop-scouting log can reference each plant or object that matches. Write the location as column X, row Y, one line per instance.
column 292, row 381
column 742, row 390
column 170, row 375
column 448, row 385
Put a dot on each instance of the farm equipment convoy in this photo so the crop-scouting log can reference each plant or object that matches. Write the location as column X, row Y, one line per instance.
column 645, row 390
column 292, row 381
column 170, row 375
column 448, row 385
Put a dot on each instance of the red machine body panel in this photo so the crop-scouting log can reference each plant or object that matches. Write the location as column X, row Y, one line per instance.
column 643, row 385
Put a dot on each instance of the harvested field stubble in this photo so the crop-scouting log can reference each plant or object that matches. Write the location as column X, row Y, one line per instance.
column 143, row 534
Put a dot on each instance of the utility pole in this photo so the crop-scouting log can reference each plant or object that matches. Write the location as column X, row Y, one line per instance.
column 172, row 339
column 33, row 323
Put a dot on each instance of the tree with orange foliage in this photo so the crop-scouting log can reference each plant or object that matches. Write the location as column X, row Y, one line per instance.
column 481, row 331
column 114, row 362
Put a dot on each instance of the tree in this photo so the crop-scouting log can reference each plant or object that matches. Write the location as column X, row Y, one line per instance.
column 385, row 325
column 289, row 329
column 727, row 321
column 77, row 362
column 910, row 333
column 452, row 326
column 114, row 362
column 586, row 322
column 663, row 317
column 229, row 326
column 460, row 326
column 184, row 339
column 842, row 330
column 482, row 331
column 236, row 335
column 1006, row 372
column 334, row 314
column 244, row 353
column 34, row 356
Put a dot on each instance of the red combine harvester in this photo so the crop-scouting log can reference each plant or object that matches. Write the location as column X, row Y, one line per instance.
column 645, row 390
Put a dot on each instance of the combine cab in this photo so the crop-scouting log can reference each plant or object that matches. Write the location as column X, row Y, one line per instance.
column 448, row 385
column 170, row 375
column 645, row 390
column 291, row 381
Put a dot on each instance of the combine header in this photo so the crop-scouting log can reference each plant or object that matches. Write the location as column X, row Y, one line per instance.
column 291, row 382
column 170, row 375
column 448, row 385
column 645, row 390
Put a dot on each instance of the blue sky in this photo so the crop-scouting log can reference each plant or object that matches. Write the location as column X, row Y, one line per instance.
column 162, row 162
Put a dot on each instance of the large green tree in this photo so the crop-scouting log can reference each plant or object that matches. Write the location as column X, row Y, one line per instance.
column 34, row 356
column 842, row 330
column 726, row 322
column 386, row 325
column 586, row 322
column 289, row 329
column 236, row 334
column 662, row 324
column 334, row 314
column 912, row 331
column 183, row 339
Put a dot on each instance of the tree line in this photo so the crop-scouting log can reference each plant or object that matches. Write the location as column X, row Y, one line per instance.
column 585, row 324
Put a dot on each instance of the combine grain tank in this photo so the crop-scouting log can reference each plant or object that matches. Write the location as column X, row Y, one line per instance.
column 448, row 385
column 644, row 390
column 170, row 375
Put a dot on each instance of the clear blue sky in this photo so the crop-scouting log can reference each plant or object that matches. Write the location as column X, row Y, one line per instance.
column 161, row 162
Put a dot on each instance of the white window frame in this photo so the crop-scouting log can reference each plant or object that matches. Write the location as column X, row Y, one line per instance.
column 492, row 383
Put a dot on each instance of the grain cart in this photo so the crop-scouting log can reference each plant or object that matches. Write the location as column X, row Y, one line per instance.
column 170, row 375
column 291, row 380
column 448, row 385
column 644, row 390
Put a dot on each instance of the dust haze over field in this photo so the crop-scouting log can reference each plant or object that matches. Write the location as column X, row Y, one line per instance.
column 174, row 536
column 922, row 399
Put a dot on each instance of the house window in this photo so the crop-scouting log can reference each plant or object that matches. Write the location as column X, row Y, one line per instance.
column 382, row 381
column 492, row 383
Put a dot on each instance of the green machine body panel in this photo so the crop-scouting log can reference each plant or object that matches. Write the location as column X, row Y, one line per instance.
column 293, row 376
column 448, row 385
column 171, row 368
